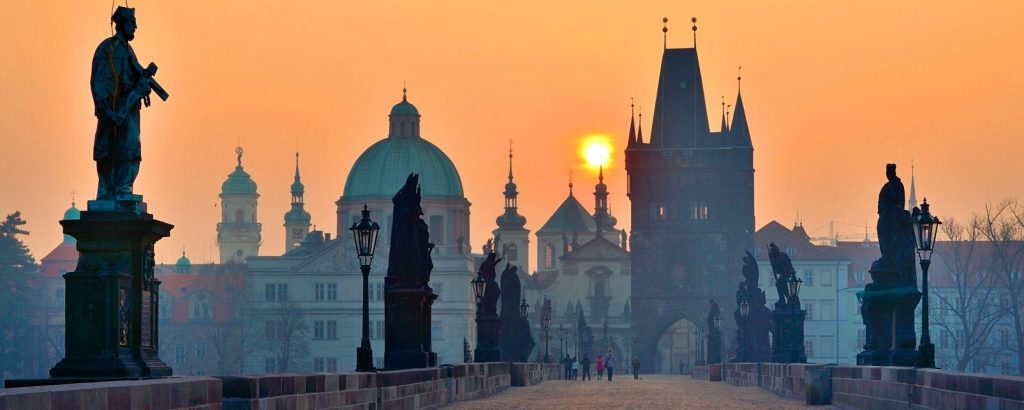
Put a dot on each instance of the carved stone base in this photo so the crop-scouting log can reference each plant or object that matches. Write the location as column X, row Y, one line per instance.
column 407, row 327
column 488, row 335
column 888, row 312
column 113, row 297
column 788, row 334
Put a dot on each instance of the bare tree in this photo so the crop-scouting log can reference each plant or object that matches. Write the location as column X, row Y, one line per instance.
column 285, row 336
column 967, row 306
column 1003, row 226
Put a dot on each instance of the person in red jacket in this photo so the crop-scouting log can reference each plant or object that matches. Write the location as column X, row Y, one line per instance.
column 599, row 363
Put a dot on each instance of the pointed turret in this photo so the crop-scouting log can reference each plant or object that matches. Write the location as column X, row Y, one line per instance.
column 511, row 219
column 640, row 128
column 739, row 128
column 600, row 204
column 724, row 128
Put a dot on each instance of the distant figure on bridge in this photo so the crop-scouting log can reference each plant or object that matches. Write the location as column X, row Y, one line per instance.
column 575, row 368
column 599, row 364
column 610, row 362
column 567, row 362
column 636, row 368
column 585, row 365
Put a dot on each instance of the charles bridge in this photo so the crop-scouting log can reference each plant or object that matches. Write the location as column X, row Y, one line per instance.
column 532, row 385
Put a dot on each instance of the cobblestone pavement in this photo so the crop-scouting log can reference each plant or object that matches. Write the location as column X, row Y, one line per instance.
column 652, row 392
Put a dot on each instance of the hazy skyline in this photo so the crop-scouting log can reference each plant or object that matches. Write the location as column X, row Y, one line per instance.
column 833, row 91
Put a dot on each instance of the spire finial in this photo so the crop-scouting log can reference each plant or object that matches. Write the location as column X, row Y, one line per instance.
column 694, row 28
column 630, row 107
column 664, row 31
column 73, row 197
column 570, row 182
column 510, row 160
column 739, row 77
column 238, row 152
column 404, row 90
column 600, row 173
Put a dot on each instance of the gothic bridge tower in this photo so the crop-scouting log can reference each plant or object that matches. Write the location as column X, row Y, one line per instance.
column 692, row 196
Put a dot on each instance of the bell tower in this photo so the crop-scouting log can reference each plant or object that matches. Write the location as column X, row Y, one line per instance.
column 238, row 233
column 296, row 220
column 514, row 246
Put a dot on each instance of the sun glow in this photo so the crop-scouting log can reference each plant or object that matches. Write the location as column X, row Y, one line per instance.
column 597, row 150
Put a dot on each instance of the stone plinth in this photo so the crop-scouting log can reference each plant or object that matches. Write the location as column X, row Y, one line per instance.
column 407, row 326
column 788, row 334
column 888, row 308
column 488, row 337
column 113, row 296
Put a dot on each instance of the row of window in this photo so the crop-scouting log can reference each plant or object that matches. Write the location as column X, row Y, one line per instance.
column 696, row 211
column 435, row 223
column 809, row 276
column 181, row 356
column 826, row 347
column 278, row 292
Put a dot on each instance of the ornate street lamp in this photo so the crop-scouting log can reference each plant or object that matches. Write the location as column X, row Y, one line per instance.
column 926, row 227
column 793, row 286
column 718, row 322
column 365, row 235
column 524, row 308
column 479, row 284
column 744, row 308
column 545, row 321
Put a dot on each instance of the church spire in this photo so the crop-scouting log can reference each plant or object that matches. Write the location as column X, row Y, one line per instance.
column 297, row 188
column 511, row 218
column 640, row 128
column 725, row 122
column 912, row 202
column 633, row 131
column 600, row 203
column 297, row 219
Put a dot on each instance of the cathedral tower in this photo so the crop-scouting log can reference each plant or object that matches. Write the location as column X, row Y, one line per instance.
column 692, row 197
column 514, row 247
column 296, row 220
column 238, row 233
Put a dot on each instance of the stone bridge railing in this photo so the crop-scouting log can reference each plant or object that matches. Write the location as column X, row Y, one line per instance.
column 402, row 389
column 871, row 387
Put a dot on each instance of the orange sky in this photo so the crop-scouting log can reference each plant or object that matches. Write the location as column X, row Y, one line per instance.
column 833, row 91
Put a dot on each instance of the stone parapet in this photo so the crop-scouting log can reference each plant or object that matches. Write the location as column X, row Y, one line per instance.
column 790, row 380
column 700, row 373
column 200, row 393
column 905, row 388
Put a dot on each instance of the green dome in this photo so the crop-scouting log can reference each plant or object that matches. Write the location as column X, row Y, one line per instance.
column 71, row 214
column 239, row 182
column 383, row 168
column 297, row 216
column 183, row 261
column 404, row 108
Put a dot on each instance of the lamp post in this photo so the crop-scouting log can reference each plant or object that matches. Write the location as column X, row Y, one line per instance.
column 744, row 308
column 793, row 286
column 365, row 235
column 700, row 347
column 524, row 308
column 561, row 339
column 926, row 228
column 545, row 321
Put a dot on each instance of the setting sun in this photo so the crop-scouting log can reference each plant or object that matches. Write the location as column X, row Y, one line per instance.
column 597, row 150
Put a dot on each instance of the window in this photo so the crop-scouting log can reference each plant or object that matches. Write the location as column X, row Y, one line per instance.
column 827, row 344
column 861, row 340
column 826, row 278
column 318, row 329
column 274, row 329
column 1004, row 337
column 437, row 229
column 179, row 354
column 200, row 350
column 332, row 329
column 700, row 212
column 325, row 291
column 858, row 277
column 808, row 278
column 437, row 330
column 809, row 348
column 199, row 307
column 662, row 212
column 269, row 364
column 332, row 364
column 549, row 256
column 275, row 292
column 318, row 364
column 166, row 307
column 809, row 307
column 377, row 292
column 282, row 292
column 511, row 252
column 239, row 216
column 377, row 329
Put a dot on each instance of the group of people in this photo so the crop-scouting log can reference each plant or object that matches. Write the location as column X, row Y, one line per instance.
column 603, row 362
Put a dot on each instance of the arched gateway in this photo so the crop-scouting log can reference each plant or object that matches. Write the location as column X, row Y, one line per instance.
column 692, row 205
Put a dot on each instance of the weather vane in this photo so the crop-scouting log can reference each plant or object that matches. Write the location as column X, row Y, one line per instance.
column 694, row 21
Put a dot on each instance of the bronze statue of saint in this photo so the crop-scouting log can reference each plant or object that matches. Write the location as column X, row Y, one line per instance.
column 890, row 212
column 119, row 87
column 782, row 269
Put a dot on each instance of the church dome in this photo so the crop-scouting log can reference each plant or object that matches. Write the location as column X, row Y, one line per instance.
column 297, row 216
column 239, row 181
column 383, row 168
column 71, row 214
column 183, row 261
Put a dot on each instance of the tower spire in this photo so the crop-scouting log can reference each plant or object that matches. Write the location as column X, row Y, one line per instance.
column 570, row 182
column 739, row 127
column 632, row 125
column 510, row 160
column 511, row 218
column 725, row 121
column 912, row 202
column 600, row 203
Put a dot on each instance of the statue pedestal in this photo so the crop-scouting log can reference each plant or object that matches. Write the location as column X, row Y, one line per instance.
column 407, row 326
column 111, row 328
column 488, row 335
column 714, row 347
column 788, row 336
column 888, row 312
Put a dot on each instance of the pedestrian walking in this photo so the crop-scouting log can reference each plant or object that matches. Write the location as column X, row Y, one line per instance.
column 599, row 364
column 609, row 363
column 636, row 368
column 585, row 365
column 575, row 368
column 567, row 363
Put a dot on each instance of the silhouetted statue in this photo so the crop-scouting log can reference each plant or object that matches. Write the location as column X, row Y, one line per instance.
column 782, row 269
column 119, row 87
column 714, row 312
column 895, row 231
column 492, row 292
column 586, row 336
column 409, row 258
column 752, row 330
column 516, row 341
